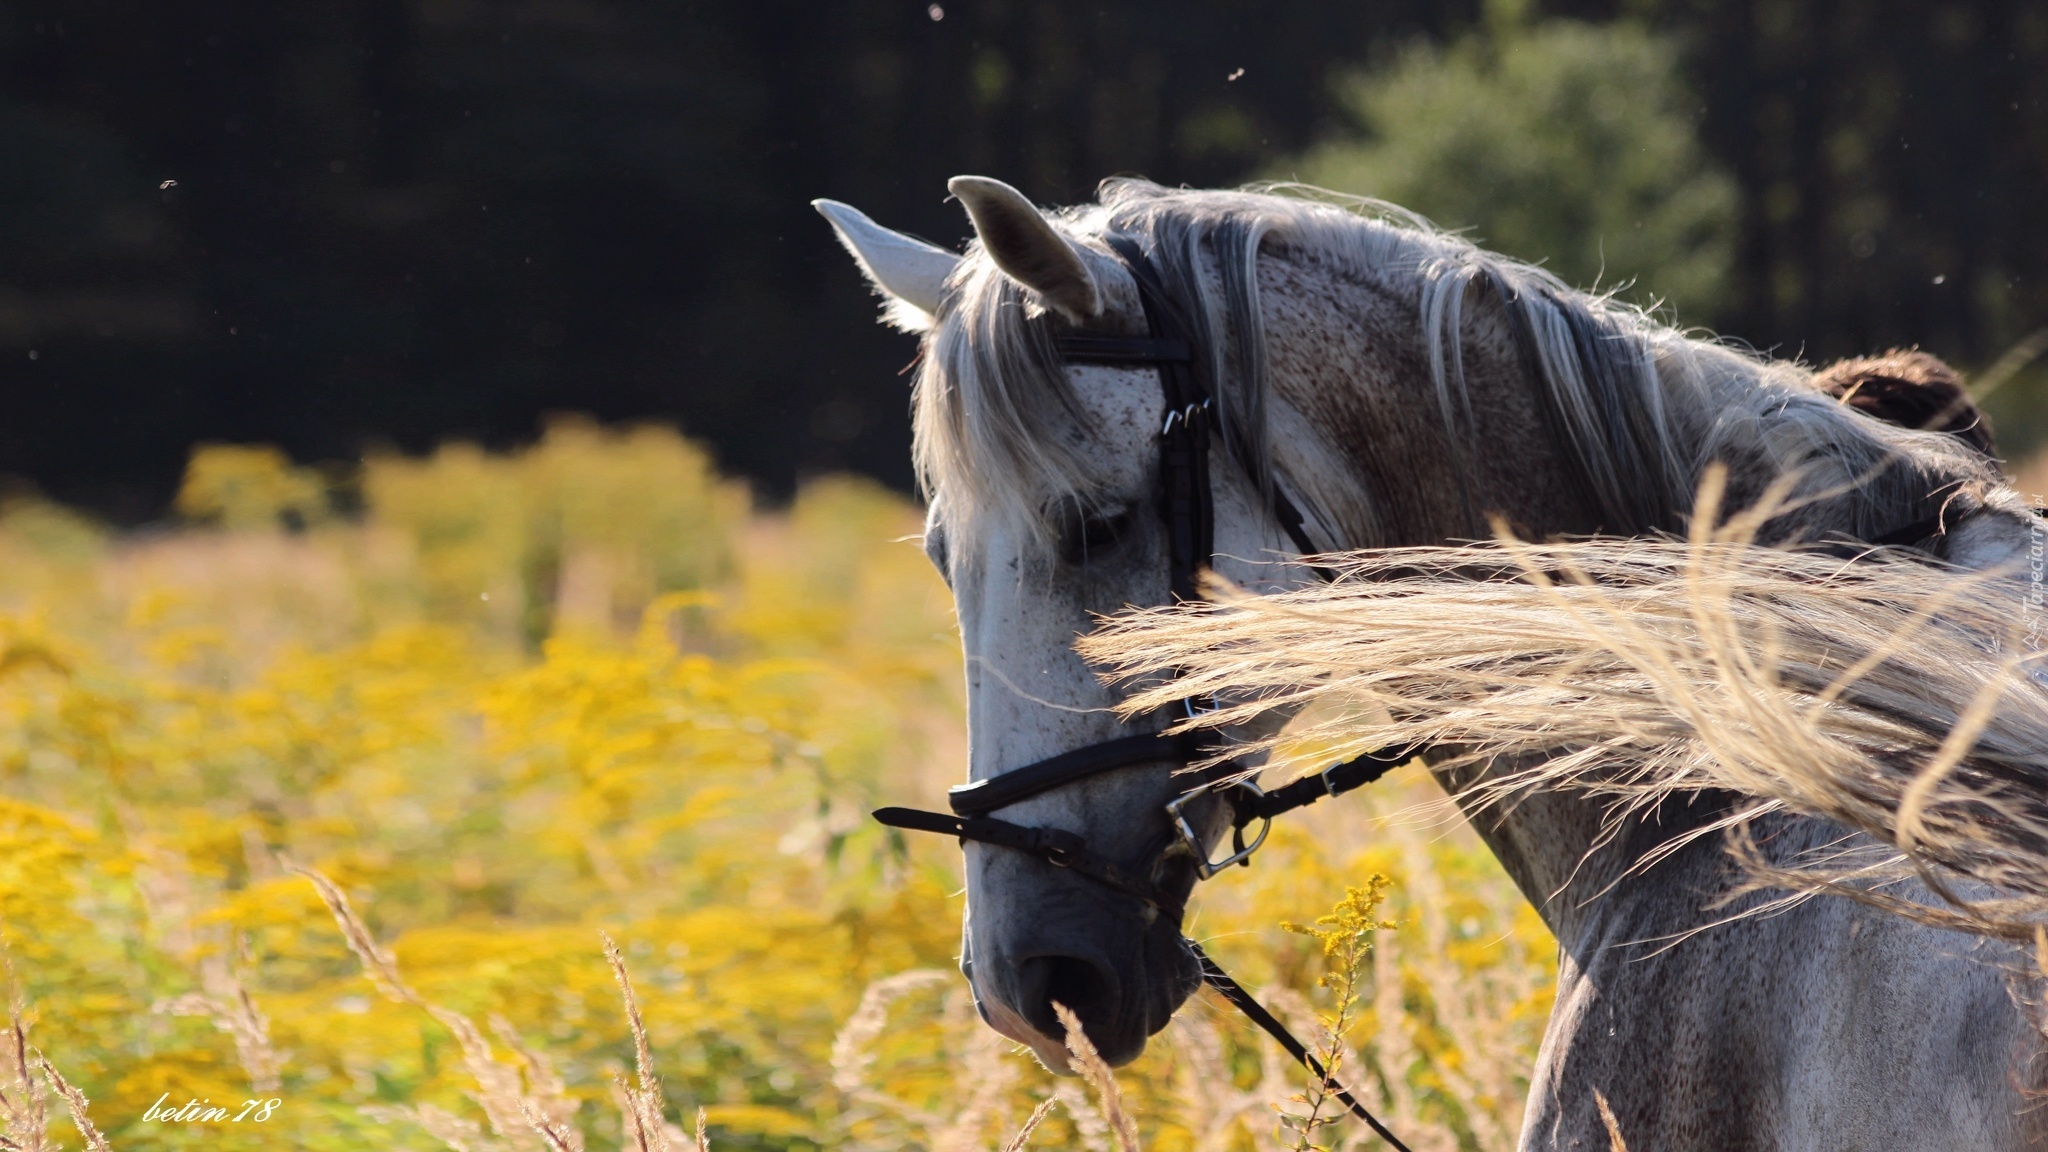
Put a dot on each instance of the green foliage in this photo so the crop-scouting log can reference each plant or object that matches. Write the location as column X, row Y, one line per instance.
column 2018, row 411
column 254, row 486
column 1561, row 142
column 583, row 531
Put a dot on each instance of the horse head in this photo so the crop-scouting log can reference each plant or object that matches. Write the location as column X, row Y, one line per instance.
column 1046, row 511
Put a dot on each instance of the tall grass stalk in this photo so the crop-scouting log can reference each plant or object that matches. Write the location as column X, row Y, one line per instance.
column 1097, row 1072
column 76, row 1104
column 1345, row 936
column 24, row 1113
column 518, row 1107
column 646, row 1128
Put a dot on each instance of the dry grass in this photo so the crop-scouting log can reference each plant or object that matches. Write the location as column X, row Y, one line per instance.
column 545, row 1111
column 76, row 1103
column 1614, row 1141
column 1031, row 1122
column 524, row 1103
column 227, row 1003
column 852, row 1060
column 642, row 1105
column 1100, row 1077
column 24, row 1112
column 163, row 881
column 1899, row 698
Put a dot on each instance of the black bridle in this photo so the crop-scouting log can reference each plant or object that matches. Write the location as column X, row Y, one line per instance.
column 1187, row 506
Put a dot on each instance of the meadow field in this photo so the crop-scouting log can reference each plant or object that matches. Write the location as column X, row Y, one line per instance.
column 507, row 703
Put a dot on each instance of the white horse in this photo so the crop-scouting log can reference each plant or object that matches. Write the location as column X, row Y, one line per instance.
column 1400, row 386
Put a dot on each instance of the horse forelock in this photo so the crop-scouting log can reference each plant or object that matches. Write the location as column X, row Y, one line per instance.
column 1639, row 406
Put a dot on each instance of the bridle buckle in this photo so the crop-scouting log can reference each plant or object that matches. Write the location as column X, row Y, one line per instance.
column 1057, row 847
column 1176, row 811
column 1186, row 415
column 1330, row 786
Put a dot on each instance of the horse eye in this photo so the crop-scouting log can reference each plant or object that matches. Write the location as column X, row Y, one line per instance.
column 1085, row 535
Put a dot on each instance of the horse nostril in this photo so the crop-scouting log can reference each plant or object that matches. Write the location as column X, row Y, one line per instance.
column 1088, row 988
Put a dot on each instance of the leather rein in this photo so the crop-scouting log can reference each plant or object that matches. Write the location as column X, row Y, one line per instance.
column 1187, row 506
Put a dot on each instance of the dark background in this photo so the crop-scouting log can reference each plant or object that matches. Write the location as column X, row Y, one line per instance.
column 396, row 221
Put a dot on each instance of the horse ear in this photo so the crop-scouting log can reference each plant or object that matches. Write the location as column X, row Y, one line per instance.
column 1027, row 248
column 910, row 272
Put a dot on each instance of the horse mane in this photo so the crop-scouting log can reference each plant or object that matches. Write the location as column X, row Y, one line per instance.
column 1642, row 408
column 1892, row 696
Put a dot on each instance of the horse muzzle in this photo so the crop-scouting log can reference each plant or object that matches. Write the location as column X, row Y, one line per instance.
column 1122, row 975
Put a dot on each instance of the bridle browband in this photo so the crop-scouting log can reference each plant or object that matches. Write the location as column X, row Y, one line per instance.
column 1187, row 506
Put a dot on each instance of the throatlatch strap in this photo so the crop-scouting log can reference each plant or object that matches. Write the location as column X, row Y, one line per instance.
column 1231, row 990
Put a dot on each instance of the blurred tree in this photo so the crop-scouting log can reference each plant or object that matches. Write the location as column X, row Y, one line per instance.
column 245, row 487
column 401, row 220
column 1561, row 142
column 1891, row 159
column 327, row 224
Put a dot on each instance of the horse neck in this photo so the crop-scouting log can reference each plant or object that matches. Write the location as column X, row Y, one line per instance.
column 1575, row 862
column 1356, row 419
column 1357, row 435
column 1561, row 848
